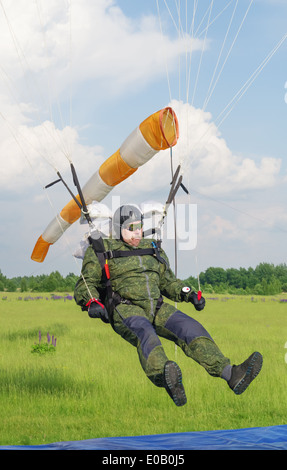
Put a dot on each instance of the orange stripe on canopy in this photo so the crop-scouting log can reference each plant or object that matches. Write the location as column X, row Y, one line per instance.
column 114, row 170
column 160, row 129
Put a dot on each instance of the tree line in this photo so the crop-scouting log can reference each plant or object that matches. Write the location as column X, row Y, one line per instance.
column 265, row 279
column 53, row 282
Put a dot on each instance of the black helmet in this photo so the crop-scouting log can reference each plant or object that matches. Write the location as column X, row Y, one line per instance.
column 123, row 216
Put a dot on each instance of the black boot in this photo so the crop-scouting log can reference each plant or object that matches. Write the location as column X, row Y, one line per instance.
column 173, row 383
column 243, row 374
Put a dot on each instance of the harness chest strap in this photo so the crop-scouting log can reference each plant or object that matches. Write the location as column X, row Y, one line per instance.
column 154, row 251
column 103, row 256
column 99, row 247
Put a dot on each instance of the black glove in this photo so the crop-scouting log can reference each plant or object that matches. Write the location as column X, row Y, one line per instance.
column 197, row 300
column 97, row 310
column 194, row 297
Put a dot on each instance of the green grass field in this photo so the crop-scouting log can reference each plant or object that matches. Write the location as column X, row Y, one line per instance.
column 93, row 386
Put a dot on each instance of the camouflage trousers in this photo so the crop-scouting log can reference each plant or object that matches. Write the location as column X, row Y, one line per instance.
column 132, row 324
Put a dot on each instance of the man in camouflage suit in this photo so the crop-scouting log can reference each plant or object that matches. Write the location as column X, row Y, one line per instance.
column 139, row 314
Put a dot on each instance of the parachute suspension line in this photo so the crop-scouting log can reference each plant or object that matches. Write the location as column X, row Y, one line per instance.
column 214, row 79
column 214, row 19
column 179, row 56
column 186, row 52
column 218, row 71
column 42, row 185
column 25, row 66
column 201, row 56
column 70, row 55
column 174, row 217
column 174, row 175
column 63, row 146
column 184, row 31
column 21, row 57
column 14, row 39
column 194, row 33
column 50, row 132
column 229, row 52
column 188, row 77
column 166, row 66
column 175, row 237
column 218, row 60
column 29, row 163
column 179, row 29
column 49, row 81
column 16, row 133
column 237, row 97
column 232, row 103
column 217, row 201
column 202, row 21
column 188, row 72
column 172, row 18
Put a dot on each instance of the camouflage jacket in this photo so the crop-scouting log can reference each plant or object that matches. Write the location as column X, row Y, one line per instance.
column 139, row 279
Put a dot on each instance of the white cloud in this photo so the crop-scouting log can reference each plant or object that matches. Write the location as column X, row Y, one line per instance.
column 218, row 226
column 30, row 156
column 90, row 41
column 113, row 50
column 207, row 163
column 39, row 60
column 213, row 166
column 119, row 50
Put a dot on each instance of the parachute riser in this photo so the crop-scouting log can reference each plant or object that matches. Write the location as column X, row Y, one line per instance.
column 176, row 183
column 80, row 203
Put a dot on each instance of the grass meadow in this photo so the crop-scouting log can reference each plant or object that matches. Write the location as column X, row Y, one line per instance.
column 93, row 386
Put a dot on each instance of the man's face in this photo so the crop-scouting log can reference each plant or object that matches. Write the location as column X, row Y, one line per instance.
column 132, row 233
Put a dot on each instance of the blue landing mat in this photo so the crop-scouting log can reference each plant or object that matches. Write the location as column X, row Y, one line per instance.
column 264, row 438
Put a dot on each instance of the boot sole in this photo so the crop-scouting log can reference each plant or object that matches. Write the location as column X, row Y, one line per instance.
column 174, row 386
column 253, row 370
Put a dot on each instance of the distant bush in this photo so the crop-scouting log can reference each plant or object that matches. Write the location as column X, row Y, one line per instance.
column 265, row 279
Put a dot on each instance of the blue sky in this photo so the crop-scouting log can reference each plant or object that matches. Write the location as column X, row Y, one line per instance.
column 77, row 77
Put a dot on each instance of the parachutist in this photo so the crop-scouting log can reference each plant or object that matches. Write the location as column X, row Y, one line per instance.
column 131, row 275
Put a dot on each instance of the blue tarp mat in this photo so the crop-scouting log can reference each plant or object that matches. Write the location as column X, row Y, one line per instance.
column 263, row 438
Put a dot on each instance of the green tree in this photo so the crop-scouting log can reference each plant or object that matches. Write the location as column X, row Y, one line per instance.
column 70, row 282
column 264, row 271
column 10, row 285
column 234, row 278
column 23, row 285
column 280, row 273
column 215, row 276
